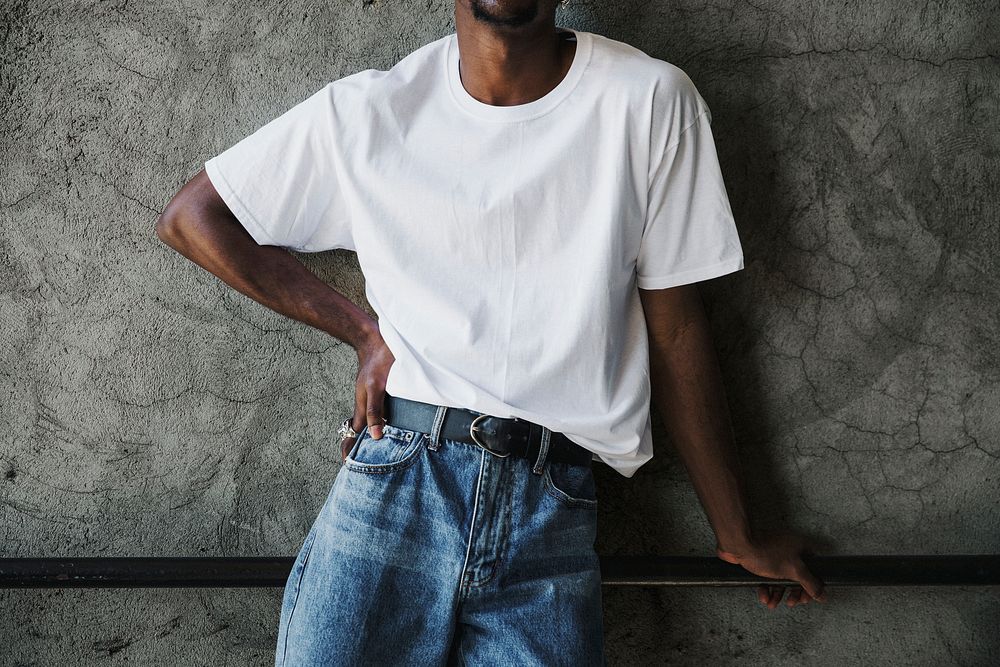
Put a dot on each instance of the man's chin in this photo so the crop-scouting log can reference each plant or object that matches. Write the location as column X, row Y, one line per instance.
column 507, row 13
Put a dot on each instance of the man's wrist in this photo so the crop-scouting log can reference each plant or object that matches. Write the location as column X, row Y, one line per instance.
column 368, row 334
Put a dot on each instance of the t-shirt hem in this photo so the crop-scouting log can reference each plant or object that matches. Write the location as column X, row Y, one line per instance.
column 237, row 207
column 729, row 265
column 625, row 467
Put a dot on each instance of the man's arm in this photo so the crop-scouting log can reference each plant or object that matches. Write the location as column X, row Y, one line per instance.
column 198, row 224
column 688, row 391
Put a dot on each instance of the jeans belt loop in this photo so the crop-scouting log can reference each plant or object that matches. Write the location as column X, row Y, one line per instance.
column 436, row 427
column 543, row 450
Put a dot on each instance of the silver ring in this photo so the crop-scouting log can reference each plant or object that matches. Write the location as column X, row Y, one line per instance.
column 346, row 430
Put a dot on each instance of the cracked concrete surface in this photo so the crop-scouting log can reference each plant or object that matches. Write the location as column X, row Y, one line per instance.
column 148, row 409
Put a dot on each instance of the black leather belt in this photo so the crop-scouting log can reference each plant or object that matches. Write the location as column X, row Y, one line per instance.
column 500, row 436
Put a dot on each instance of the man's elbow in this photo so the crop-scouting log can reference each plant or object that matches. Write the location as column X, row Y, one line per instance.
column 194, row 209
column 179, row 215
column 167, row 224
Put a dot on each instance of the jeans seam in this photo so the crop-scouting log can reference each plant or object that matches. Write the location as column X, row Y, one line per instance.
column 501, row 559
column 472, row 527
column 563, row 497
column 295, row 597
column 504, row 538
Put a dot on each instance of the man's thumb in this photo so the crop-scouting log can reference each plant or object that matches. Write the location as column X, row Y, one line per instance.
column 727, row 556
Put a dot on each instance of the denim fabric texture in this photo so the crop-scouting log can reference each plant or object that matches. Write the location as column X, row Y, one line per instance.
column 429, row 551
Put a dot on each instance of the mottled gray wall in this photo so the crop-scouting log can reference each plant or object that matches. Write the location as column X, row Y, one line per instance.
column 146, row 408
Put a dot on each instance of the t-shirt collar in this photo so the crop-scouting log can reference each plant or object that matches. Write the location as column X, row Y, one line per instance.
column 517, row 112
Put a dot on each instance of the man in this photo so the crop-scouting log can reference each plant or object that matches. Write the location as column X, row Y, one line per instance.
column 531, row 207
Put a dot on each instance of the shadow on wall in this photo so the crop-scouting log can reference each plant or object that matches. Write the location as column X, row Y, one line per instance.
column 859, row 345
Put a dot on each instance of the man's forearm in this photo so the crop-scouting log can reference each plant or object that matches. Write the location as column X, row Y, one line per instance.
column 689, row 394
column 208, row 234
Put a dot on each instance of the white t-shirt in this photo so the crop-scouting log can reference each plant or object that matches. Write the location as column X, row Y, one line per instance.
column 502, row 246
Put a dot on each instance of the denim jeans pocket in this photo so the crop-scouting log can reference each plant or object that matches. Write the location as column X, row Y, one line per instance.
column 570, row 484
column 398, row 448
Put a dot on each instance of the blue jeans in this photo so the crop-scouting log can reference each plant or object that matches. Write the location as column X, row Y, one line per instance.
column 430, row 551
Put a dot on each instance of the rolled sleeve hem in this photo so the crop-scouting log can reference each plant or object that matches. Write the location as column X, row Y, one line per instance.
column 236, row 205
column 734, row 263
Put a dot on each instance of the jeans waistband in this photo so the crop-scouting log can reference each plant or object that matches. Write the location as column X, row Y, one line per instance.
column 500, row 436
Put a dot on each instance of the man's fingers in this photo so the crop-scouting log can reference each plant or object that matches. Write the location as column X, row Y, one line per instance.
column 810, row 582
column 345, row 447
column 360, row 405
column 774, row 596
column 357, row 420
column 373, row 411
column 798, row 596
column 813, row 585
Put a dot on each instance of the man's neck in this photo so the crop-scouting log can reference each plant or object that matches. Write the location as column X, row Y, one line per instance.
column 503, row 65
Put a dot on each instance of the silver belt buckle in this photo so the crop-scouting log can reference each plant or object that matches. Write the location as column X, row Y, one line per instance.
column 473, row 427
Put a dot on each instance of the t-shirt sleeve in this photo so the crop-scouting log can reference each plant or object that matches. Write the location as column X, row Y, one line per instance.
column 282, row 181
column 689, row 233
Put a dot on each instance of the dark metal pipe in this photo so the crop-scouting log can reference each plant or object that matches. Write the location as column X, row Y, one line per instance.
column 209, row 572
column 965, row 570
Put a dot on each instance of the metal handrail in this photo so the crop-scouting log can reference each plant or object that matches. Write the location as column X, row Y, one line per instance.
column 213, row 572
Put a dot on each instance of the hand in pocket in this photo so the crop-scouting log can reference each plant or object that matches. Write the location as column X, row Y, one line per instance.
column 374, row 361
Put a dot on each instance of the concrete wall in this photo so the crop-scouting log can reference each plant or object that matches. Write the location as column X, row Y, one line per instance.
column 147, row 409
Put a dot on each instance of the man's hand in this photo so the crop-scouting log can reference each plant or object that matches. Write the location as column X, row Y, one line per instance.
column 777, row 557
column 374, row 361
